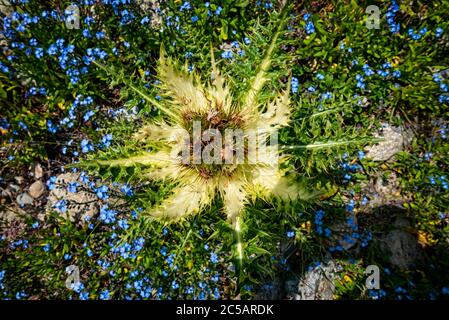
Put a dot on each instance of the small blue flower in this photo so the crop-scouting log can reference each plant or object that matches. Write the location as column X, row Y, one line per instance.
column 144, row 20
column 213, row 257
column 218, row 10
column 86, row 33
column 51, row 127
column 139, row 244
column 310, row 27
column 126, row 190
column 86, row 146
column 104, row 295
column 61, row 206
column 294, row 84
column 88, row 115
column 227, row 54
column 46, row 248
column 396, row 74
column 350, row 207
column 194, row 19
column 100, row 35
column 364, row 201
column 360, row 85
column 326, row 95
column 20, row 295
column 102, row 192
column 84, row 178
column 185, row 6
column 107, row 215
column 290, row 234
column 106, row 140
column 23, row 125
column 174, row 285
column 51, row 183
column 367, row 70
column 72, row 187
column 235, row 44
column 39, row 53
column 32, row 91
column 84, row 295
column 123, row 223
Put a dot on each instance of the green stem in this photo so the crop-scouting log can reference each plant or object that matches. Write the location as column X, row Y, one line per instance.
column 239, row 246
column 331, row 144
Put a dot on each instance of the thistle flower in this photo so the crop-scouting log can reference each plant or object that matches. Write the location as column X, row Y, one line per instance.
column 178, row 156
column 212, row 106
column 187, row 101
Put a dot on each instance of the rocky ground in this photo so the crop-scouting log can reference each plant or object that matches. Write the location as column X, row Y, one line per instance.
column 399, row 243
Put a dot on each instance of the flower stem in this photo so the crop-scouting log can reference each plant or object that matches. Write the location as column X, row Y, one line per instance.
column 239, row 247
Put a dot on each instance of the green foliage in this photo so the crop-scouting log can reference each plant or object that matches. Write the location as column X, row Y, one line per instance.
column 323, row 137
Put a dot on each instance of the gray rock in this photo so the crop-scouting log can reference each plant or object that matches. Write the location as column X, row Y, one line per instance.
column 396, row 139
column 318, row 283
column 291, row 289
column 383, row 190
column 36, row 189
column 5, row 7
column 388, row 186
column 14, row 187
column 24, row 199
column 338, row 230
column 19, row 179
column 401, row 246
column 38, row 172
column 8, row 215
column 79, row 204
column 12, row 222
column 270, row 291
